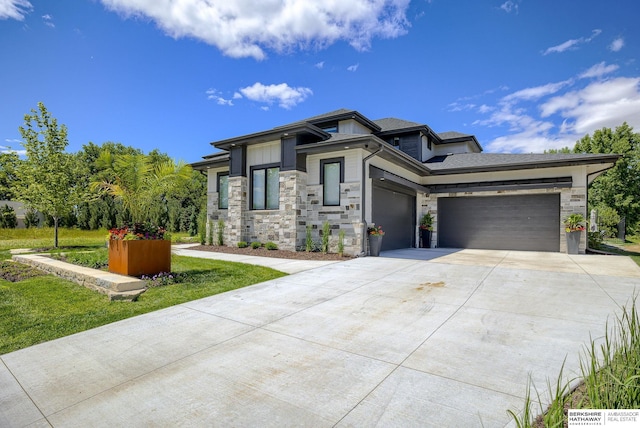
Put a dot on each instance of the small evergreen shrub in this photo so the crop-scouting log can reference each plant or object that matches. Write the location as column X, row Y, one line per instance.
column 220, row 232
column 341, row 242
column 326, row 230
column 256, row 244
column 271, row 246
column 308, row 240
column 242, row 244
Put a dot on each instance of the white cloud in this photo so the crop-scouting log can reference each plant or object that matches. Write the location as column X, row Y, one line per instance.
column 8, row 149
column 536, row 92
column 617, row 44
column 572, row 43
column 599, row 70
column 14, row 9
column 244, row 28
column 319, row 65
column 213, row 94
column 509, row 6
column 353, row 67
column 286, row 96
column 556, row 115
column 48, row 21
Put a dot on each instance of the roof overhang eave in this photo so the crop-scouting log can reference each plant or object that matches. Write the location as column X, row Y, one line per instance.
column 271, row 135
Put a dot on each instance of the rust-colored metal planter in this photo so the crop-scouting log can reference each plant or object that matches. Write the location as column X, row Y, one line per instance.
column 139, row 257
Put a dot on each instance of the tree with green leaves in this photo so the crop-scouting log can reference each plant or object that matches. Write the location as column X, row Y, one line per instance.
column 49, row 179
column 619, row 187
column 139, row 182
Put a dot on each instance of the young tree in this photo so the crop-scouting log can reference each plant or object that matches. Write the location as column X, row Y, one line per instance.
column 50, row 180
column 619, row 187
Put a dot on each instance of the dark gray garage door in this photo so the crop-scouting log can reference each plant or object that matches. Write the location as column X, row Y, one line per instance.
column 519, row 222
column 395, row 212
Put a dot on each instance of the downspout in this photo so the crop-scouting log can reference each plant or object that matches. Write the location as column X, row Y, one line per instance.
column 363, row 199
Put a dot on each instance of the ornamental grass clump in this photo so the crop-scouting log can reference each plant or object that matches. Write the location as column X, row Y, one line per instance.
column 610, row 377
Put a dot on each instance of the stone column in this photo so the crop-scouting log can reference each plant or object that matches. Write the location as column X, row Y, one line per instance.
column 237, row 211
column 293, row 209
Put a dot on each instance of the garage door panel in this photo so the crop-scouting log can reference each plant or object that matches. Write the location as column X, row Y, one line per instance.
column 395, row 212
column 519, row 222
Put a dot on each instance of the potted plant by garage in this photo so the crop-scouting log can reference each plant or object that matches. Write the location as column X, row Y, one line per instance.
column 573, row 226
column 375, row 240
column 426, row 224
column 139, row 248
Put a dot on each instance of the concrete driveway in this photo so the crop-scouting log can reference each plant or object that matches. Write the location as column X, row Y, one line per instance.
column 415, row 338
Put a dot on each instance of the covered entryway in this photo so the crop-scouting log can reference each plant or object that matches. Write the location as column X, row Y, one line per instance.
column 395, row 210
column 517, row 222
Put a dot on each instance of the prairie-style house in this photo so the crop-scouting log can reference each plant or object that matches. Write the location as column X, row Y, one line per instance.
column 351, row 171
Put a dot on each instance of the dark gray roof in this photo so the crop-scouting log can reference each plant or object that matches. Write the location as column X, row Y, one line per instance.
column 338, row 112
column 453, row 134
column 392, row 124
column 468, row 162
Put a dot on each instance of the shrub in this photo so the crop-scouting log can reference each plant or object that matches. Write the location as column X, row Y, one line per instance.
column 271, row 246
column 31, row 218
column 242, row 244
column 202, row 227
column 326, row 230
column 595, row 239
column 308, row 240
column 341, row 242
column 8, row 217
column 220, row 232
column 209, row 232
column 256, row 244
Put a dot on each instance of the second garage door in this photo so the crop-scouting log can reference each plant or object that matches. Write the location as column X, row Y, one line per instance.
column 519, row 222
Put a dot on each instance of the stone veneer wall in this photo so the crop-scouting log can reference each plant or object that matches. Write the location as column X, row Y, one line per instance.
column 345, row 217
column 573, row 200
column 236, row 222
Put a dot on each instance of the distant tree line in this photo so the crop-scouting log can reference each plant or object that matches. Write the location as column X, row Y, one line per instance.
column 58, row 184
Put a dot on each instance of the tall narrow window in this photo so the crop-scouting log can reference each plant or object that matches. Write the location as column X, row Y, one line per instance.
column 265, row 188
column 331, row 175
column 223, row 191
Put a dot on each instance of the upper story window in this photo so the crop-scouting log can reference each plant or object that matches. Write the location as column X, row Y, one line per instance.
column 330, row 127
column 265, row 187
column 331, row 175
column 223, row 190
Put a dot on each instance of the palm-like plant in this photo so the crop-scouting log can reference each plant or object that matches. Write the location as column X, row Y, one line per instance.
column 137, row 182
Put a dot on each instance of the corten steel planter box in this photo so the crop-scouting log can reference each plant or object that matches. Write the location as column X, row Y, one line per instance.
column 139, row 257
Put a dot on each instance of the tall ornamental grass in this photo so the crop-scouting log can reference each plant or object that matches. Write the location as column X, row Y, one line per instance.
column 610, row 377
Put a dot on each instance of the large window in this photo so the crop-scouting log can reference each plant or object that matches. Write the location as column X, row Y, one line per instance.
column 331, row 175
column 265, row 187
column 223, row 190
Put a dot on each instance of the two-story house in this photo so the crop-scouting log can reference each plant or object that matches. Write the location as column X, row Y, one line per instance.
column 350, row 171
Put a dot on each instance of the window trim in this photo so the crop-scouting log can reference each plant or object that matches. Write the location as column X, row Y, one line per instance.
column 329, row 161
column 264, row 167
column 218, row 177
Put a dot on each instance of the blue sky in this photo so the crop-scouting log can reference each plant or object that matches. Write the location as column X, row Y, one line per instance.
column 521, row 75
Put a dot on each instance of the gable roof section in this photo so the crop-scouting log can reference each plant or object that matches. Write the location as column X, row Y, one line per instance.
column 343, row 114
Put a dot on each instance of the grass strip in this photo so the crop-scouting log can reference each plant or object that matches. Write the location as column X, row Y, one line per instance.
column 45, row 308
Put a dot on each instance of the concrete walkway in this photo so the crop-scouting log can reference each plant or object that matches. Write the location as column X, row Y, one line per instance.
column 428, row 338
column 283, row 265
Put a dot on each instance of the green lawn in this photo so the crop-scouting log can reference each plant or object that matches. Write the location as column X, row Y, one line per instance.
column 45, row 308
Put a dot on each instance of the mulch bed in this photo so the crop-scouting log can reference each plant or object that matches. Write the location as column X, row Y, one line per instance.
column 15, row 272
column 263, row 252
